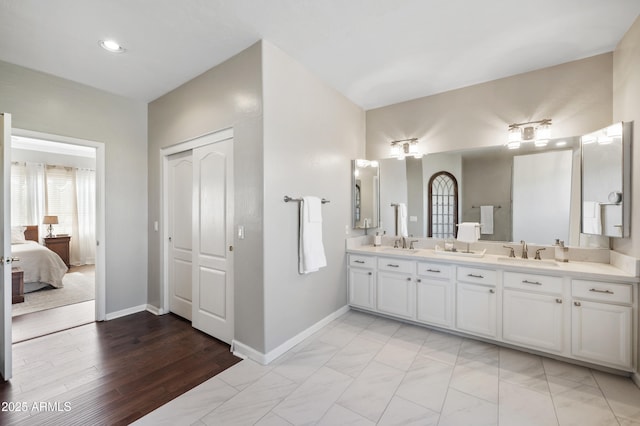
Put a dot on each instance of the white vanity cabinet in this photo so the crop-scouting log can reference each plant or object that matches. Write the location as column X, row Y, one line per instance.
column 544, row 310
column 362, row 281
column 396, row 287
column 533, row 311
column 602, row 322
column 434, row 294
column 476, row 301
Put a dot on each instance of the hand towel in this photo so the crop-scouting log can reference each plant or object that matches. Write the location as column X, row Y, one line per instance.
column 591, row 218
column 468, row 232
column 311, row 255
column 486, row 220
column 402, row 220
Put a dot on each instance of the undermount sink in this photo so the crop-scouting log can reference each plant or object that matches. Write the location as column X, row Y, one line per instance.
column 528, row 262
column 400, row 250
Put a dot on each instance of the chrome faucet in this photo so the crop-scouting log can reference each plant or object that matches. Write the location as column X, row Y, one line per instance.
column 411, row 246
column 537, row 257
column 512, row 253
column 524, row 250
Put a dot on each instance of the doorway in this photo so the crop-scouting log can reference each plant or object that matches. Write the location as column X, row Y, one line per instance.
column 197, row 233
column 57, row 179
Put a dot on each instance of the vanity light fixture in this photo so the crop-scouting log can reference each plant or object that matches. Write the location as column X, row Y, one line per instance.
column 531, row 131
column 405, row 148
column 111, row 46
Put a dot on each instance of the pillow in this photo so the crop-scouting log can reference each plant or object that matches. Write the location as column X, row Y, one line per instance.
column 17, row 235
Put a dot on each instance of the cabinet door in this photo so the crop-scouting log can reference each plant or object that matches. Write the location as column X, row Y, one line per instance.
column 361, row 288
column 476, row 309
column 533, row 320
column 602, row 332
column 396, row 294
column 435, row 302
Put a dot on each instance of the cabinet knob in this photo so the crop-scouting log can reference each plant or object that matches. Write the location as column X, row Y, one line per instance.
column 558, row 300
column 370, row 273
column 577, row 303
column 491, row 291
column 408, row 278
column 418, row 280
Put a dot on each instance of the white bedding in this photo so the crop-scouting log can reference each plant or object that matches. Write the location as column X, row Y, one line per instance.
column 40, row 265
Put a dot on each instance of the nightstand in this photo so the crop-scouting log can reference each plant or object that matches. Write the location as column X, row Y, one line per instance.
column 17, row 282
column 59, row 244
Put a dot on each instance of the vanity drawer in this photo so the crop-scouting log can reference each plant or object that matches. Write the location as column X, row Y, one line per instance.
column 602, row 291
column 477, row 275
column 434, row 270
column 533, row 282
column 396, row 265
column 362, row 261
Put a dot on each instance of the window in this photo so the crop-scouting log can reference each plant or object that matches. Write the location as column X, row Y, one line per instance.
column 443, row 205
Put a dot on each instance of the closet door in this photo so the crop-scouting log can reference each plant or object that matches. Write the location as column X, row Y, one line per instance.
column 212, row 240
column 180, row 233
column 5, row 246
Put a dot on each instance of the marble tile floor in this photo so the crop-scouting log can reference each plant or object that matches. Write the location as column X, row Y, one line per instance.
column 366, row 370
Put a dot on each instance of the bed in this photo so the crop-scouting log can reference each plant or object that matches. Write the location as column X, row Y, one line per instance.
column 41, row 266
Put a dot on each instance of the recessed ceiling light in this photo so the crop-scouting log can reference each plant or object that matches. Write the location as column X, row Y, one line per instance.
column 111, row 46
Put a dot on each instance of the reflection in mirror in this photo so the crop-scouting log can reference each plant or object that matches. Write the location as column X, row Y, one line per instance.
column 487, row 177
column 365, row 186
column 605, row 181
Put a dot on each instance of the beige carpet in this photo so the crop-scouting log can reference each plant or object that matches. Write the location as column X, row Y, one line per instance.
column 79, row 286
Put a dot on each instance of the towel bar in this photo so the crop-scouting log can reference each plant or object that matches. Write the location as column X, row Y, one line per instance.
column 477, row 207
column 287, row 199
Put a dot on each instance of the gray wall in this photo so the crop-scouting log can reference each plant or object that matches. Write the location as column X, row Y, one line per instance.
column 44, row 103
column 576, row 95
column 229, row 95
column 311, row 133
column 626, row 107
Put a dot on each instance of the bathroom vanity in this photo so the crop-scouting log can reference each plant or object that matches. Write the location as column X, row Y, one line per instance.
column 585, row 311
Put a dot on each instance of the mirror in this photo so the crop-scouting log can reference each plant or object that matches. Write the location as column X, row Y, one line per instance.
column 365, row 184
column 528, row 188
column 606, row 181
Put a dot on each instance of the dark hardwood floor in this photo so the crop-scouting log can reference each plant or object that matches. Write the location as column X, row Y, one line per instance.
column 108, row 373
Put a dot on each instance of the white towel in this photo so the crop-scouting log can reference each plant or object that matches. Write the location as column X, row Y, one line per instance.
column 591, row 218
column 468, row 232
column 402, row 220
column 486, row 220
column 311, row 249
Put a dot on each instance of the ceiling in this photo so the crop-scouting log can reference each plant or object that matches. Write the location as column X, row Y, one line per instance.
column 375, row 52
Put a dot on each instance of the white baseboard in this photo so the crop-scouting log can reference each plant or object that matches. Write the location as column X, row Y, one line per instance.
column 245, row 351
column 635, row 377
column 125, row 312
column 155, row 310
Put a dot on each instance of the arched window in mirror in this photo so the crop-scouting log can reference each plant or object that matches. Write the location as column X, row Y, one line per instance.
column 443, row 205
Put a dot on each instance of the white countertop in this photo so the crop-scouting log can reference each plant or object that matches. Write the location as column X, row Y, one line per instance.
column 575, row 269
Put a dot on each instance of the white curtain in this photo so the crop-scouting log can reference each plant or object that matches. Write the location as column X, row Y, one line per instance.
column 28, row 195
column 38, row 189
column 85, row 183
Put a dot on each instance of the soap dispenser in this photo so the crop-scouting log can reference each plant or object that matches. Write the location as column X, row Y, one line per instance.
column 377, row 240
column 562, row 252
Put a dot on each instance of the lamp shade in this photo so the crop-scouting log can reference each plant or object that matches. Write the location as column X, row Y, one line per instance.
column 50, row 220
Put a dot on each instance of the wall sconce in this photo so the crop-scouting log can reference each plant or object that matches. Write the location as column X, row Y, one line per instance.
column 50, row 220
column 537, row 131
column 405, row 148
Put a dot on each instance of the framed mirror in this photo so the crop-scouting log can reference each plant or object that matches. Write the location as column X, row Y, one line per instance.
column 606, row 179
column 365, row 194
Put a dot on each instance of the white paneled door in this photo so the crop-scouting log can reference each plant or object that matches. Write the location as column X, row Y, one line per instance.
column 179, row 193
column 212, row 308
column 5, row 246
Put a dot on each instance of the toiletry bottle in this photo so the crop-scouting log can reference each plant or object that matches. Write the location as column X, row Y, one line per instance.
column 562, row 252
column 377, row 241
